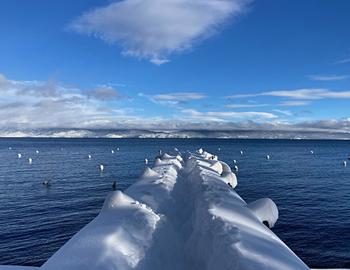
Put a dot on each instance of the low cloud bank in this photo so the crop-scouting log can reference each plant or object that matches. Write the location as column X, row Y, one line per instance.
column 52, row 109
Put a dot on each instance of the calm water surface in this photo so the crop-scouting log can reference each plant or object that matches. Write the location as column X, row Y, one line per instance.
column 312, row 191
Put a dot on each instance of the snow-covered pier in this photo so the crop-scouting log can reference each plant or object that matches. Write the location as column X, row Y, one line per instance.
column 182, row 214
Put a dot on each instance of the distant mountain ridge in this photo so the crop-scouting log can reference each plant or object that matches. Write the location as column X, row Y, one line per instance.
column 142, row 133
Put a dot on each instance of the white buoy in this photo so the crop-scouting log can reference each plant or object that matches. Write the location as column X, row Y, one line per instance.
column 345, row 163
column 146, row 161
column 37, row 151
column 19, row 155
column 89, row 156
column 101, row 167
column 234, row 161
column 311, row 152
column 10, row 148
column 112, row 151
column 219, row 149
column 241, row 152
column 267, row 157
column 30, row 160
column 117, row 148
column 235, row 168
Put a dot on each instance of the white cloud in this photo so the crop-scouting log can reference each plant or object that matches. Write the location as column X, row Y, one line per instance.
column 27, row 107
column 284, row 112
column 242, row 106
column 174, row 98
column 328, row 77
column 307, row 94
column 287, row 103
column 103, row 93
column 36, row 104
column 226, row 116
column 157, row 61
column 154, row 29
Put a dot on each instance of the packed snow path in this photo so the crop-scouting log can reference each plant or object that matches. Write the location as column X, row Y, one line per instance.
column 179, row 215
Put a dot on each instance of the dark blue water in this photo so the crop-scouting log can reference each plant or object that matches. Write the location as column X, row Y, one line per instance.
column 311, row 191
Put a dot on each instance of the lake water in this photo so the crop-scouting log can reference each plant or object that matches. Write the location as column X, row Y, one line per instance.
column 312, row 191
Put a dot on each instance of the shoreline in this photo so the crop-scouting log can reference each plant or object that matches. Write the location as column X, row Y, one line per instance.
column 173, row 138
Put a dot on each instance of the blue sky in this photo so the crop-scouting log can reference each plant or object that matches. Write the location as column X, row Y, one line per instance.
column 175, row 64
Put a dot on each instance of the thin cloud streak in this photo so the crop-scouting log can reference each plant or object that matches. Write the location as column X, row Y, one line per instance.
column 343, row 61
column 289, row 103
column 174, row 98
column 284, row 112
column 294, row 103
column 328, row 77
column 306, row 94
column 220, row 116
column 242, row 106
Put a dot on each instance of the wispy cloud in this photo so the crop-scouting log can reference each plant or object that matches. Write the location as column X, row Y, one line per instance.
column 218, row 116
column 284, row 112
column 287, row 103
column 343, row 61
column 306, row 94
column 155, row 29
column 174, row 98
column 294, row 103
column 328, row 77
column 242, row 106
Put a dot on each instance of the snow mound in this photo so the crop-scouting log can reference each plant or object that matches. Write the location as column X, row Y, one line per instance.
column 265, row 210
column 179, row 158
column 213, row 165
column 149, row 173
column 118, row 237
column 207, row 155
column 217, row 166
column 225, row 167
column 116, row 199
column 168, row 161
column 167, row 156
column 155, row 192
column 230, row 178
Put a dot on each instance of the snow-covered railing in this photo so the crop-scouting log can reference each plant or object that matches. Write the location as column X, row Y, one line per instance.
column 227, row 232
column 181, row 214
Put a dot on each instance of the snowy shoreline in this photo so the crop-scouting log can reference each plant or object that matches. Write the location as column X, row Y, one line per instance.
column 182, row 214
column 298, row 134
